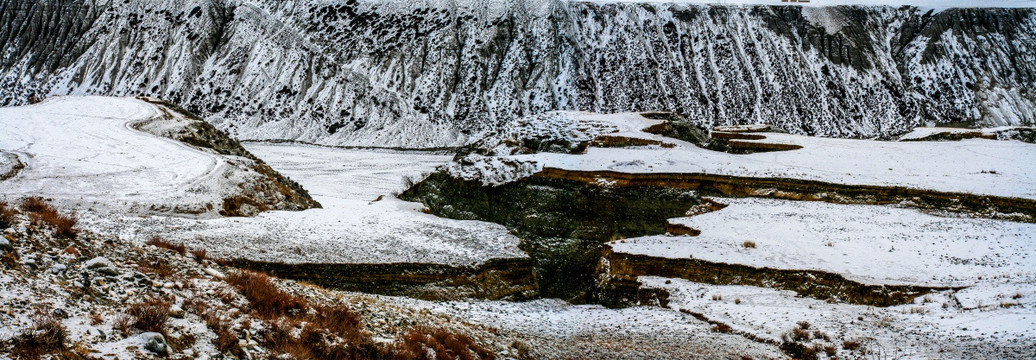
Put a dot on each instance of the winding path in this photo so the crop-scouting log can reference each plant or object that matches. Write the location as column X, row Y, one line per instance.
column 85, row 151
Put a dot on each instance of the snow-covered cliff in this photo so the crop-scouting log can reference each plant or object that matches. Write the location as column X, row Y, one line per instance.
column 439, row 73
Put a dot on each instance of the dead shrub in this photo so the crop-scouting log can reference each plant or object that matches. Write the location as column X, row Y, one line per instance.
column 158, row 241
column 226, row 340
column 10, row 258
column 46, row 336
column 96, row 319
column 123, row 323
column 199, row 254
column 155, row 266
column 749, row 244
column 7, row 214
column 851, row 344
column 150, row 314
column 42, row 213
column 339, row 320
column 263, row 296
column 799, row 351
column 328, row 332
column 799, row 334
column 722, row 328
column 195, row 305
column 416, row 344
column 34, row 204
column 71, row 250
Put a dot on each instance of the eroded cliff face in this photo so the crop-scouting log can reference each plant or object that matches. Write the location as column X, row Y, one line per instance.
column 423, row 74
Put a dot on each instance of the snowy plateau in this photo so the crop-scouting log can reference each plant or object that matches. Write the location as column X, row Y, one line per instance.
column 523, row 179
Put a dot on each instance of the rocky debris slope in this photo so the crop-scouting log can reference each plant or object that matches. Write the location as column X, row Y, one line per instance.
column 90, row 295
column 426, row 74
column 139, row 157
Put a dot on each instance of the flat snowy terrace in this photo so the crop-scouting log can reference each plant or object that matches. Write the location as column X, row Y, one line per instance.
column 977, row 166
column 351, row 228
column 867, row 243
column 82, row 151
column 989, row 322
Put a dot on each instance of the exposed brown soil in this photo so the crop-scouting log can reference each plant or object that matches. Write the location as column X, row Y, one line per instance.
column 736, row 135
column 1016, row 209
column 606, row 141
column 680, row 229
column 956, row 136
column 617, row 274
column 751, row 146
column 497, row 279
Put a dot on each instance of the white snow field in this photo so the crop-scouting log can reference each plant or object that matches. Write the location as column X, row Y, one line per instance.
column 927, row 4
column 977, row 166
column 871, row 244
column 350, row 228
column 84, row 153
column 934, row 326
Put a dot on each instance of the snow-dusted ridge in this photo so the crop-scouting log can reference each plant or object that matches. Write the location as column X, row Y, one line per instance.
column 87, row 154
column 432, row 74
column 865, row 243
column 972, row 166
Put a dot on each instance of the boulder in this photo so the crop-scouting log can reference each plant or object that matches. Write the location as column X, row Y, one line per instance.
column 154, row 342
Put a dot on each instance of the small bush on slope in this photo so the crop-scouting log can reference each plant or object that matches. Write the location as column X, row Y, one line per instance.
column 7, row 214
column 150, row 314
column 445, row 345
column 42, row 213
column 264, row 297
column 165, row 244
column 46, row 336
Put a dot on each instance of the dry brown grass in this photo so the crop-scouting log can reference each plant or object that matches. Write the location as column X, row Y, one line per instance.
column 199, row 254
column 851, row 344
column 158, row 241
column 300, row 329
column 749, row 244
column 446, row 345
column 158, row 267
column 265, row 299
column 722, row 328
column 123, row 323
column 42, row 213
column 226, row 340
column 46, row 336
column 7, row 214
column 150, row 314
column 34, row 204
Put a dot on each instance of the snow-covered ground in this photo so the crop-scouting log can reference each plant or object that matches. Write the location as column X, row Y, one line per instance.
column 934, row 326
column 350, row 228
column 84, row 153
column 596, row 332
column 867, row 243
column 977, row 166
column 927, row 4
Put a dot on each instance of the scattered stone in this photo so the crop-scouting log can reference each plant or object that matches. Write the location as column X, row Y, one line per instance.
column 155, row 342
column 108, row 271
column 99, row 262
column 58, row 269
column 5, row 245
column 214, row 273
column 60, row 313
column 176, row 311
